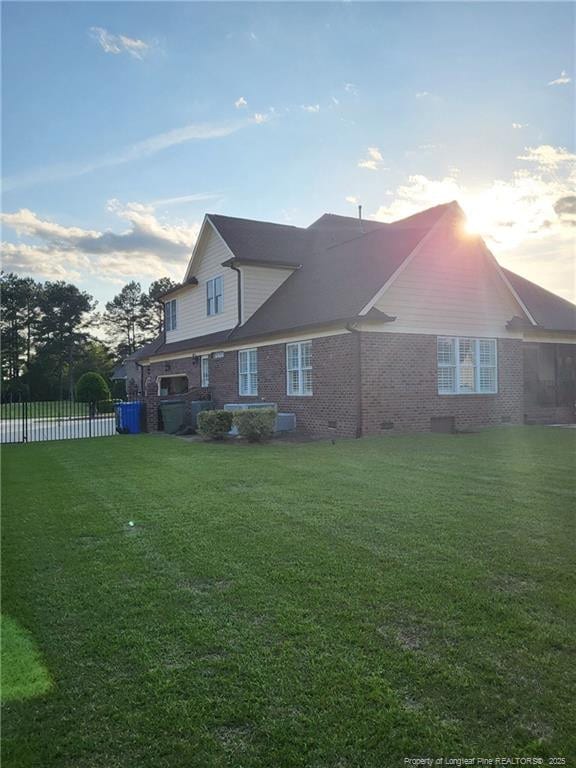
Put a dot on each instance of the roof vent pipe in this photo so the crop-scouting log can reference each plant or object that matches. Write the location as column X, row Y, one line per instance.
column 360, row 218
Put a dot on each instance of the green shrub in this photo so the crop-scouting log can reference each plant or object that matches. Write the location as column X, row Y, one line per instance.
column 214, row 424
column 255, row 424
column 92, row 388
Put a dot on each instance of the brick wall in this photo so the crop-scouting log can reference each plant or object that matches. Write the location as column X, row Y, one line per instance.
column 399, row 386
column 331, row 410
column 400, row 391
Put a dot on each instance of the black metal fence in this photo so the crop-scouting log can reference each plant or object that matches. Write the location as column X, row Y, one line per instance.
column 30, row 422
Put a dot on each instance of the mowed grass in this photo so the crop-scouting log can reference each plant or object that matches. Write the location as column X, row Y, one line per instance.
column 320, row 605
column 22, row 673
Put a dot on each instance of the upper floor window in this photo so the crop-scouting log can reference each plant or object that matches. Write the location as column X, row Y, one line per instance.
column 467, row 366
column 214, row 296
column 299, row 368
column 170, row 315
column 205, row 371
column 248, row 371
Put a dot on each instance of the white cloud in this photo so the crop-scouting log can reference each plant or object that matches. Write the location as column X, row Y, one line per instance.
column 143, row 148
column 548, row 157
column 310, row 107
column 116, row 44
column 423, row 94
column 335, row 101
column 241, row 102
column 374, row 161
column 147, row 248
column 528, row 219
column 260, row 117
column 166, row 201
column 519, row 125
column 351, row 88
column 352, row 199
column 370, row 165
column 562, row 80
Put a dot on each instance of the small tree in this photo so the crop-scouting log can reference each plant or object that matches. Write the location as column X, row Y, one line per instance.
column 92, row 388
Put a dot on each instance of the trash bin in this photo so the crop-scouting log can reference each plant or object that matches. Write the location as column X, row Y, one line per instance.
column 128, row 416
column 172, row 415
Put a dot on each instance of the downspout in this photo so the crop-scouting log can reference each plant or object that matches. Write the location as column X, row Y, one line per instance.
column 359, row 405
column 239, row 283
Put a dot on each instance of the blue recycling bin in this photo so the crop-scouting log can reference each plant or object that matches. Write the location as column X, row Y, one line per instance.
column 128, row 418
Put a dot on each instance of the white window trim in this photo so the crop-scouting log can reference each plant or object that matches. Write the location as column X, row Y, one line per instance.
column 457, row 373
column 249, row 372
column 300, row 369
column 205, row 371
column 212, row 280
column 170, row 312
column 170, row 376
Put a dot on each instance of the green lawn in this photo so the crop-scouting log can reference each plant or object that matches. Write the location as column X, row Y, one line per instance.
column 310, row 605
column 43, row 409
column 22, row 673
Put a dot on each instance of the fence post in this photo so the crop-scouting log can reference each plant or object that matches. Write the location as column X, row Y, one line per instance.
column 25, row 421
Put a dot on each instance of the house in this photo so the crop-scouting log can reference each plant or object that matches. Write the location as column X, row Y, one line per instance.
column 364, row 328
column 130, row 370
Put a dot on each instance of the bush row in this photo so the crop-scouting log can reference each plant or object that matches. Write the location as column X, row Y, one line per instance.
column 256, row 425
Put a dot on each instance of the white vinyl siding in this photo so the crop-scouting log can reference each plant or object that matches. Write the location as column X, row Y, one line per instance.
column 450, row 288
column 248, row 371
column 467, row 366
column 193, row 319
column 170, row 315
column 205, row 371
column 258, row 284
column 215, row 296
column 299, row 368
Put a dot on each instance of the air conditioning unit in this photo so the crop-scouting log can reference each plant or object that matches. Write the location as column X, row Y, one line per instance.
column 285, row 422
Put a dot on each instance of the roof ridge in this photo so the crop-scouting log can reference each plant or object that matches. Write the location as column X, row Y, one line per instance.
column 254, row 221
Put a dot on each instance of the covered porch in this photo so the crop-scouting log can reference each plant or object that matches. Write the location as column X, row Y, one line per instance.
column 549, row 383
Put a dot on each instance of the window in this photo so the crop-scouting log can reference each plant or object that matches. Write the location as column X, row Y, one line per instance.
column 214, row 296
column 466, row 366
column 299, row 368
column 204, row 371
column 248, row 371
column 170, row 315
column 172, row 385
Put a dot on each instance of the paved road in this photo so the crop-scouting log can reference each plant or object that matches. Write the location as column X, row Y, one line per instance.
column 12, row 430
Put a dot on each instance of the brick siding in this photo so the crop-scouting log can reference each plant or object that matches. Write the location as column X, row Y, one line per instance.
column 398, row 393
column 400, row 389
column 329, row 411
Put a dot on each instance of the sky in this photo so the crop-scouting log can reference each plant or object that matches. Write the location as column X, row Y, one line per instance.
column 124, row 123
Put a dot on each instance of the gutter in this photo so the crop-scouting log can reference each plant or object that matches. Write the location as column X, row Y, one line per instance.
column 239, row 298
column 359, row 403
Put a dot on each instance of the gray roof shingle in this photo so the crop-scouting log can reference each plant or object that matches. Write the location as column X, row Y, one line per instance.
column 547, row 309
column 343, row 264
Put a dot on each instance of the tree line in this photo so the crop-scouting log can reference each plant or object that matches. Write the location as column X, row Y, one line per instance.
column 51, row 333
